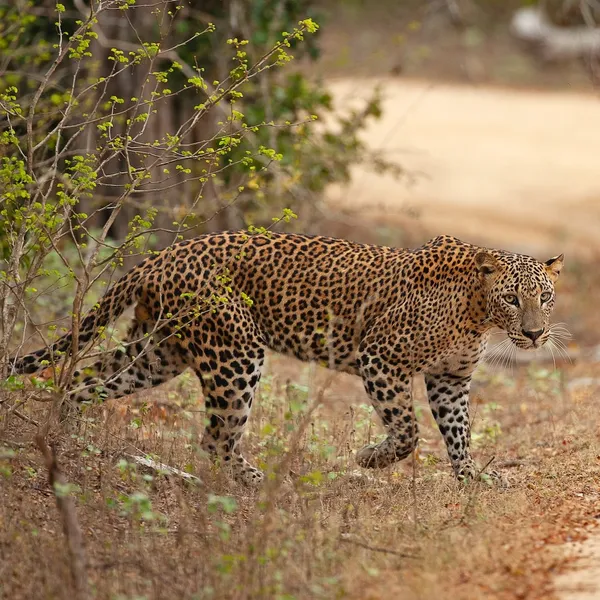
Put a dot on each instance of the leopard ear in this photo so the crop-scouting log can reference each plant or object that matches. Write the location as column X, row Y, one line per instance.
column 554, row 266
column 487, row 264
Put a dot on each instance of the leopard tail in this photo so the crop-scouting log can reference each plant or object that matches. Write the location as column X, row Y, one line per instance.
column 124, row 293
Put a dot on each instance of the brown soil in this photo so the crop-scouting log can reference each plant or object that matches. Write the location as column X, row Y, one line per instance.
column 582, row 582
column 328, row 530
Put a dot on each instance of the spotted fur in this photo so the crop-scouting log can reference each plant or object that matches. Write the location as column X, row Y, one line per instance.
column 217, row 302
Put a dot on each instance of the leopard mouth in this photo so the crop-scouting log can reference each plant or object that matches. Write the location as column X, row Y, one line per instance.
column 524, row 343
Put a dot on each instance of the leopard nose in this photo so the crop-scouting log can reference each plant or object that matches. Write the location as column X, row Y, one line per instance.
column 533, row 335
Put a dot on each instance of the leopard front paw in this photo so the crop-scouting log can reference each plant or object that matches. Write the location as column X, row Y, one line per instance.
column 495, row 478
column 469, row 472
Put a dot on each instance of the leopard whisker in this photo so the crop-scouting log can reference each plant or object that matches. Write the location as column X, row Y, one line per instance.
column 560, row 338
column 558, row 324
column 492, row 355
column 560, row 330
column 561, row 335
column 561, row 352
column 512, row 358
column 549, row 346
column 499, row 332
column 560, row 347
column 501, row 354
column 492, row 352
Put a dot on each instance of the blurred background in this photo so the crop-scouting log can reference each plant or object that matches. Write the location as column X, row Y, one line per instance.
column 160, row 120
column 489, row 107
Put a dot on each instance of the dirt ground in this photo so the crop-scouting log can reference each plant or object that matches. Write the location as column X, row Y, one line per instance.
column 582, row 582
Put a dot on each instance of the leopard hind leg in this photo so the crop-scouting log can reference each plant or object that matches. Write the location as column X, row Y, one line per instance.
column 150, row 357
column 228, row 361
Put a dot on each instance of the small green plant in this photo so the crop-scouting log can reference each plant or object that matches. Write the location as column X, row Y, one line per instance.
column 6, row 457
column 138, row 507
column 486, row 428
column 66, row 489
column 221, row 505
column 547, row 381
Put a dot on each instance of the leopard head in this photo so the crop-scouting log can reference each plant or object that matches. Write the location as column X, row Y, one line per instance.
column 519, row 294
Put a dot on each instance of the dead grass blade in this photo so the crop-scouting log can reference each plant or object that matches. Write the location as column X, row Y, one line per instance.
column 350, row 540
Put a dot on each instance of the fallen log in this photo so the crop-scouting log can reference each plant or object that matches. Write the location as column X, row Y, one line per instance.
column 554, row 44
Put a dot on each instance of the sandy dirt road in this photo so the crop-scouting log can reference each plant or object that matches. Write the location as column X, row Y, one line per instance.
column 515, row 169
column 582, row 582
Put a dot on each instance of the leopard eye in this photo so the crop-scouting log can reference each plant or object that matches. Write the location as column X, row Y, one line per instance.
column 545, row 297
column 511, row 299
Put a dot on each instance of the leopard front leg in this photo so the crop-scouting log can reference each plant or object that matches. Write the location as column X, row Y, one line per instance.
column 389, row 389
column 448, row 396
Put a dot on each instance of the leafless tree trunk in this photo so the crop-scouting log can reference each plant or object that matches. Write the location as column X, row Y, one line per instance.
column 171, row 112
column 71, row 528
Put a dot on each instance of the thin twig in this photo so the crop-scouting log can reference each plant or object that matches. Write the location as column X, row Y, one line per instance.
column 469, row 504
column 25, row 418
column 361, row 544
column 487, row 464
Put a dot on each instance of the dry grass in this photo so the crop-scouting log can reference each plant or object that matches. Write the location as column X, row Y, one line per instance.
column 325, row 530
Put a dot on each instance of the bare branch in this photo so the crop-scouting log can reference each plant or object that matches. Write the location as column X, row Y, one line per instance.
column 159, row 467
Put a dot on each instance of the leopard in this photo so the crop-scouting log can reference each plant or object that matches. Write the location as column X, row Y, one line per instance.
column 219, row 302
